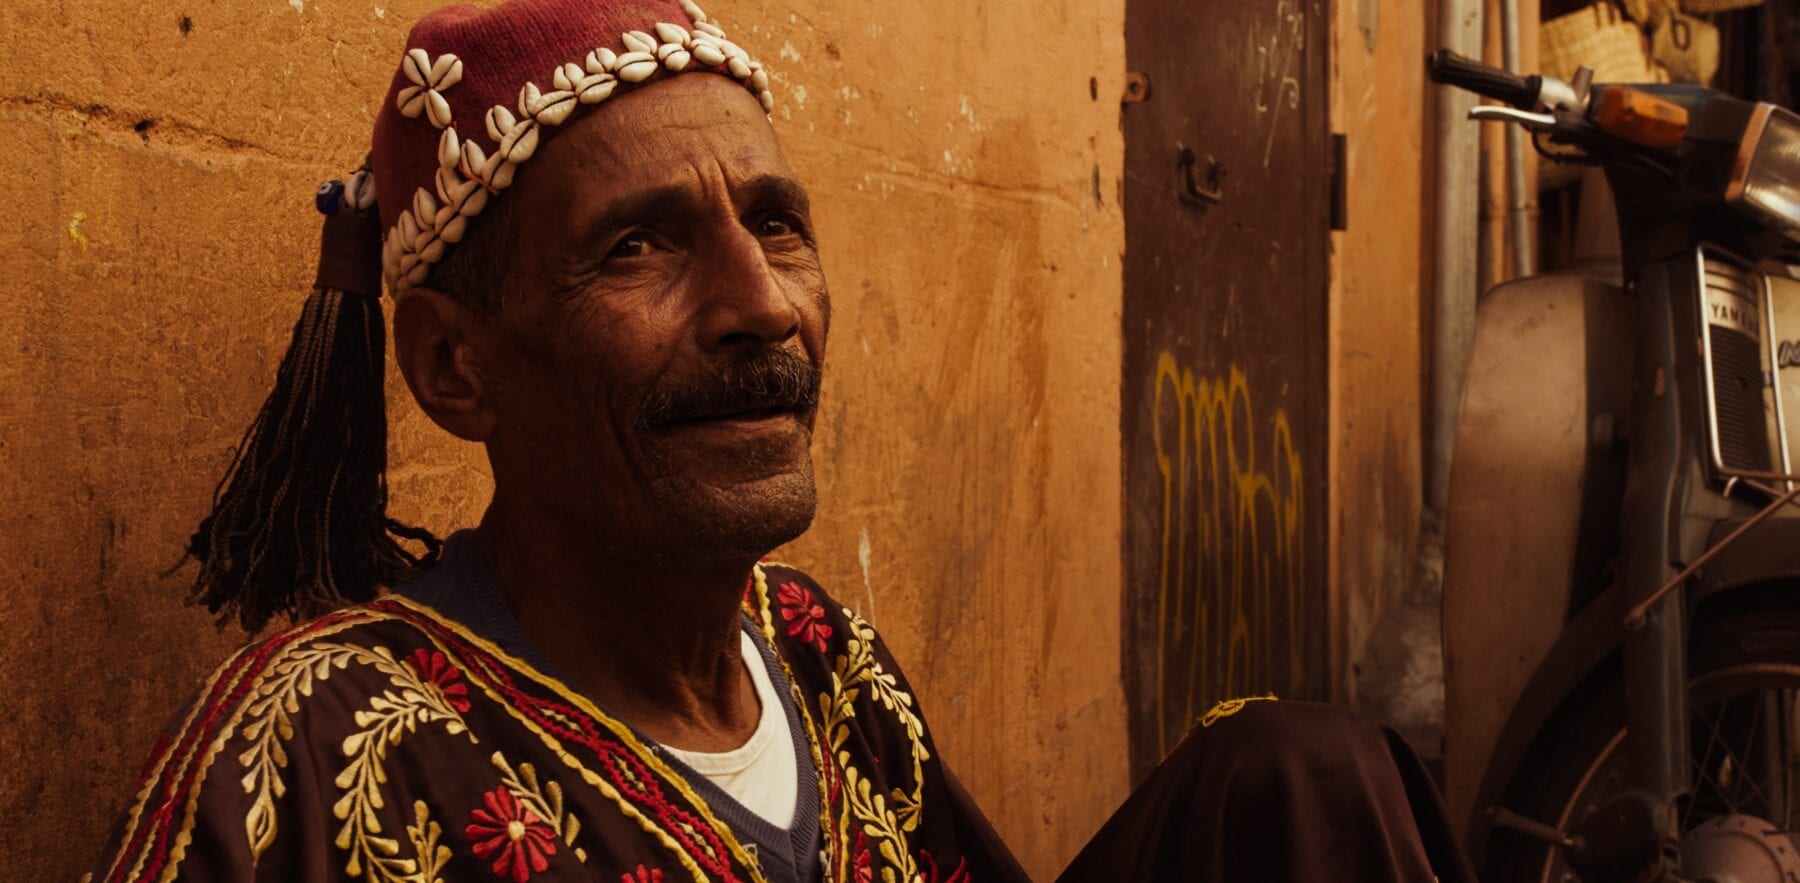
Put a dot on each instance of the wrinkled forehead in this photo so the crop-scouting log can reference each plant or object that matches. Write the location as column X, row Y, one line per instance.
column 687, row 130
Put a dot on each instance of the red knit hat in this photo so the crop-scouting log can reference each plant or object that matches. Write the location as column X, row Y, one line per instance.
column 480, row 89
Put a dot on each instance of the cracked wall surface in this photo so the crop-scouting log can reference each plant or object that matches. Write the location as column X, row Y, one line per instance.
column 964, row 162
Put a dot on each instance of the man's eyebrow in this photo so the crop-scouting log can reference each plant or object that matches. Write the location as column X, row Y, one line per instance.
column 775, row 190
column 636, row 207
column 760, row 192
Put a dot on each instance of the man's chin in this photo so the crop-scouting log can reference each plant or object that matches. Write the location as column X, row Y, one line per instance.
column 747, row 516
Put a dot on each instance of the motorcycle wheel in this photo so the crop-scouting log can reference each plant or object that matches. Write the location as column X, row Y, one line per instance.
column 1744, row 735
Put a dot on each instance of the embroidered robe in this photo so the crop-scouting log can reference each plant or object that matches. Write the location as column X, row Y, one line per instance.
column 386, row 743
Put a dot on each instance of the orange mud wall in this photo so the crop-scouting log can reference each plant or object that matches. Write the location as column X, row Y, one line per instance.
column 1381, row 104
column 964, row 162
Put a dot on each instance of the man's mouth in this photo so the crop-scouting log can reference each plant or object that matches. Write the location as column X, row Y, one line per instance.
column 758, row 414
column 749, row 416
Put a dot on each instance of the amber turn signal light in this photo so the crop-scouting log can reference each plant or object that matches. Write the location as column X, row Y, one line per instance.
column 1640, row 118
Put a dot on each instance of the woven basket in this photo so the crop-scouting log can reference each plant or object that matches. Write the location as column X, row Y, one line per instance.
column 1700, row 7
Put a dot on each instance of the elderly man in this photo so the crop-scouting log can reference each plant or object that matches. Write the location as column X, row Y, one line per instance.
column 605, row 272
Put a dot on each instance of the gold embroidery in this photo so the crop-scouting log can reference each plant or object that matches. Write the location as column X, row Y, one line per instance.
column 667, row 777
column 560, row 718
column 884, row 825
column 885, row 818
column 150, row 782
column 424, row 833
column 698, row 841
column 1230, row 707
column 388, row 719
column 545, row 800
column 185, row 836
column 270, row 726
column 762, row 612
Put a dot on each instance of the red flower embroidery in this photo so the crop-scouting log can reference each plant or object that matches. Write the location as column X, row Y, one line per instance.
column 512, row 835
column 432, row 666
column 863, row 870
column 643, row 876
column 933, row 875
column 805, row 619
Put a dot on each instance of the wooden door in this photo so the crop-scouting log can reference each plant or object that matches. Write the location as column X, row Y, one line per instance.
column 1225, row 358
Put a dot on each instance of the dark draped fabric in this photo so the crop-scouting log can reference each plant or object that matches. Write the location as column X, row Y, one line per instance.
column 1274, row 792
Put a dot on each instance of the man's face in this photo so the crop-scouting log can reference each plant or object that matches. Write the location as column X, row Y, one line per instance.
column 654, row 365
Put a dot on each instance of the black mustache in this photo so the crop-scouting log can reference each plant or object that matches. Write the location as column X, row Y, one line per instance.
column 769, row 379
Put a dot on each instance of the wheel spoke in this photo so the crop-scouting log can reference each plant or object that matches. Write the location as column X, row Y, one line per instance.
column 1703, row 772
column 1743, row 727
column 1748, row 775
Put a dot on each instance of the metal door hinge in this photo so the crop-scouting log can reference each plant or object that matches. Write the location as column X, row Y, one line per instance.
column 1340, row 182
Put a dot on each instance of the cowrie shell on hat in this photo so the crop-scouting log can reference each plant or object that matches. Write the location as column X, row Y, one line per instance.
column 453, row 231
column 520, row 143
column 597, row 88
column 708, row 53
column 499, row 122
column 503, row 175
column 438, row 107
column 408, row 227
column 554, row 107
column 449, row 149
column 638, row 41
column 637, row 71
column 417, row 66
column 447, row 71
column 602, row 61
column 424, row 204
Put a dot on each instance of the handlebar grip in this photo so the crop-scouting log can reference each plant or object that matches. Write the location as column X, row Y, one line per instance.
column 1451, row 69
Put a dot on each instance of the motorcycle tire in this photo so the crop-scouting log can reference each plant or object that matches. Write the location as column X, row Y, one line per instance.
column 1744, row 710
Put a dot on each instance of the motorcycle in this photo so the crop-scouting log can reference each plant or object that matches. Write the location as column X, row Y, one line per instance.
column 1622, row 535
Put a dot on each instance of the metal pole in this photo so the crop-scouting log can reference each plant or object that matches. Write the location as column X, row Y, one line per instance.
column 1454, row 284
column 1518, row 201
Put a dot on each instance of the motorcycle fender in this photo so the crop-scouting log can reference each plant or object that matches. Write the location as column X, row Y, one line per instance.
column 1513, row 523
column 1583, row 660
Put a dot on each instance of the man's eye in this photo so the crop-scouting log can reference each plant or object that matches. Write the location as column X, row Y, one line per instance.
column 630, row 247
column 777, row 225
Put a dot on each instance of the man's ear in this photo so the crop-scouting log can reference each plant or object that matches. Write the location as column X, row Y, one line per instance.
column 434, row 342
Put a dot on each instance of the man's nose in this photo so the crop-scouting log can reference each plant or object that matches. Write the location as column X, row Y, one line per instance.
column 747, row 307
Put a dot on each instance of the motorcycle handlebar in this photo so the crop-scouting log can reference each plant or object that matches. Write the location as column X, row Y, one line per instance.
column 1451, row 69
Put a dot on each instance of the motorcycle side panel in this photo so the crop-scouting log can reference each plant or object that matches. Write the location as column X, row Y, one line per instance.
column 1516, row 499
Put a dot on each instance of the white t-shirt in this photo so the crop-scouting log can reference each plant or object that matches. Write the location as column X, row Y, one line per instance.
column 760, row 774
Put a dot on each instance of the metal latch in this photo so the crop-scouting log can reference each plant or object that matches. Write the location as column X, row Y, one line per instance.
column 1198, row 188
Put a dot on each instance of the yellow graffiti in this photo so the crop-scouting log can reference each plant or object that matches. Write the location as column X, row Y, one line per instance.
column 1229, row 616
